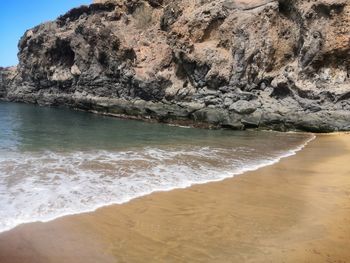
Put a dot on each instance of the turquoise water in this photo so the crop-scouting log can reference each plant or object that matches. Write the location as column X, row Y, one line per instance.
column 33, row 128
column 55, row 162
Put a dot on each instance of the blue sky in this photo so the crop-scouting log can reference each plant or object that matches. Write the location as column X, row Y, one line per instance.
column 16, row 16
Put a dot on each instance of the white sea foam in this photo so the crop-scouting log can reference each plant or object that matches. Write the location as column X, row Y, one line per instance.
column 44, row 186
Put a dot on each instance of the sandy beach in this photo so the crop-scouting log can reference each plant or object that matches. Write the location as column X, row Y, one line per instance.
column 295, row 211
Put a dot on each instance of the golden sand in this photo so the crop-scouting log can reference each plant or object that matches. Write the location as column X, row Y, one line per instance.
column 295, row 211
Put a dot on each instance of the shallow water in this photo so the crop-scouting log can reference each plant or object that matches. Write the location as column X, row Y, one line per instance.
column 55, row 162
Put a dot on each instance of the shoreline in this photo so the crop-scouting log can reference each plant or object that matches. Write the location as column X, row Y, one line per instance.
column 261, row 216
column 243, row 170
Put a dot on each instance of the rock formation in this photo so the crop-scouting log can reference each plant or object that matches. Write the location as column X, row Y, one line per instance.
column 282, row 65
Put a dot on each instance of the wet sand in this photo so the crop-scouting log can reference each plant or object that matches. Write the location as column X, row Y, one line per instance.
column 295, row 211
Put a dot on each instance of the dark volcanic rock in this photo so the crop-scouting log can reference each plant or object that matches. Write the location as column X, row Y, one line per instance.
column 280, row 65
column 6, row 77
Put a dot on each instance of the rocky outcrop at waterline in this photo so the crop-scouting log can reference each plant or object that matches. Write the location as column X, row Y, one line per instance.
column 239, row 64
column 6, row 75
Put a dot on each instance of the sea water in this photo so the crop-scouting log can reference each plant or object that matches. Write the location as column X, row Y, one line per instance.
column 55, row 162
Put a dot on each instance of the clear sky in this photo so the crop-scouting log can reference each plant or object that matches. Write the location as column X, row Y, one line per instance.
column 16, row 16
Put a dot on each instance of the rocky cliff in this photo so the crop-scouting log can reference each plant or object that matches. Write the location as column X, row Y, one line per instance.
column 280, row 65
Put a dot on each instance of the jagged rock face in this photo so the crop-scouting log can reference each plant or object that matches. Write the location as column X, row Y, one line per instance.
column 6, row 75
column 231, row 63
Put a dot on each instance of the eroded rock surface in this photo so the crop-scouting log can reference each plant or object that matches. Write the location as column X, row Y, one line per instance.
column 280, row 65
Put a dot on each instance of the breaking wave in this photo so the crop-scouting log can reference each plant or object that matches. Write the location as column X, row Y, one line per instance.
column 41, row 186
